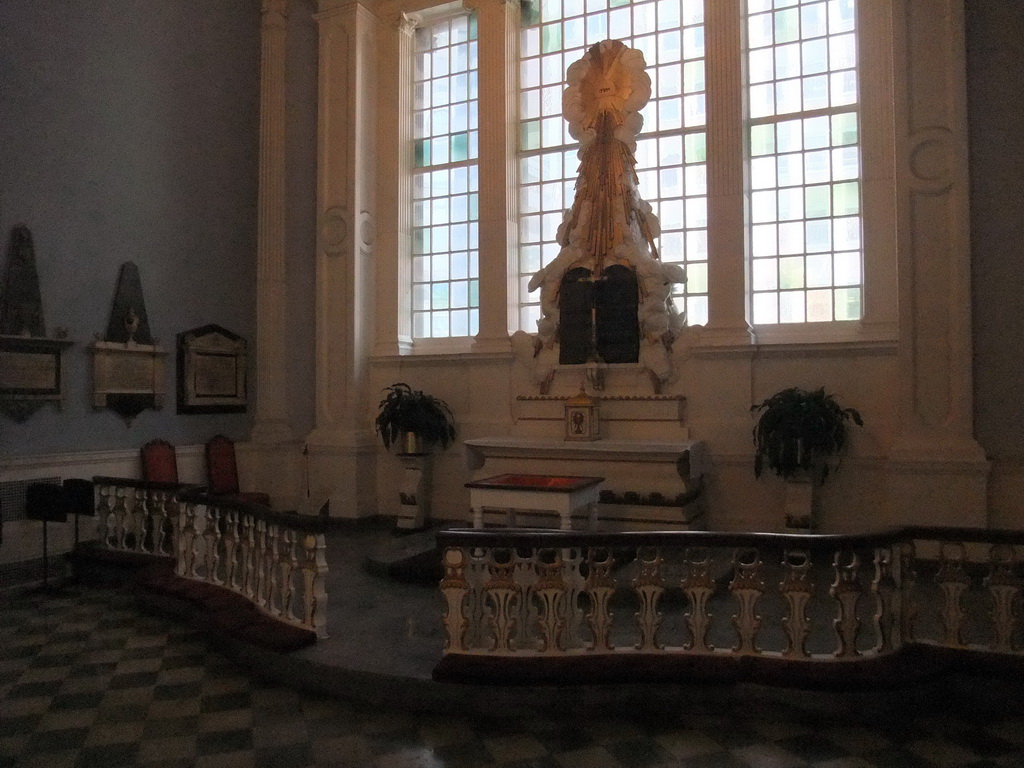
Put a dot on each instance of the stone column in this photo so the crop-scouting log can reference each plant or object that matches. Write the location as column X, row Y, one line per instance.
column 341, row 447
column 270, row 425
column 935, row 465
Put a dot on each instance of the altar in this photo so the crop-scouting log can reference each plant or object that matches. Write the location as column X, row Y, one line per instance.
column 647, row 484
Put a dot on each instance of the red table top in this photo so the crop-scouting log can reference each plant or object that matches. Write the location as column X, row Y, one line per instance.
column 553, row 483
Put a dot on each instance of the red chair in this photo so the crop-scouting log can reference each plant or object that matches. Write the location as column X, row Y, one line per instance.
column 159, row 462
column 222, row 472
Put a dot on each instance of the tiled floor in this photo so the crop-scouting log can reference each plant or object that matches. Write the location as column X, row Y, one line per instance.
column 86, row 679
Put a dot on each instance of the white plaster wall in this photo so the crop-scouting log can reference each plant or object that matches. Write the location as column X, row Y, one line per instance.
column 719, row 387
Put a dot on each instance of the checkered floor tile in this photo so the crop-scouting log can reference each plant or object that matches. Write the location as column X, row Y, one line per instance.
column 88, row 680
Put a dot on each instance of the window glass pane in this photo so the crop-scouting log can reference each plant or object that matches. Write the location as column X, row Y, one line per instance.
column 765, row 308
column 444, row 154
column 804, row 169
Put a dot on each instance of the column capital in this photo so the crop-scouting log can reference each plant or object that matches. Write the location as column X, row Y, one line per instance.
column 277, row 8
column 330, row 7
column 408, row 23
column 476, row 5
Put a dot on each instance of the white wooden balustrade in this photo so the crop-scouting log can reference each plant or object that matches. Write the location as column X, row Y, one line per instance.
column 276, row 560
column 812, row 599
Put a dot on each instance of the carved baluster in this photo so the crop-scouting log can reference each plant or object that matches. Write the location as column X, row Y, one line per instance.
column 260, row 564
column 455, row 589
column 908, row 590
column 289, row 564
column 527, row 616
column 846, row 590
column 600, row 588
column 177, row 512
column 550, row 591
column 698, row 586
column 649, row 589
column 160, row 518
column 887, row 594
column 575, row 584
column 151, row 515
column 120, row 519
column 231, row 541
column 211, row 539
column 248, row 555
column 187, row 550
column 273, row 563
column 136, row 520
column 503, row 595
column 1004, row 586
column 105, row 511
column 314, row 571
column 797, row 587
column 748, row 586
column 173, row 516
column 137, row 500
column 133, row 505
column 478, row 611
column 953, row 580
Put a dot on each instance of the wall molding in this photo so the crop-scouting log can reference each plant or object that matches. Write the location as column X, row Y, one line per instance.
column 117, row 463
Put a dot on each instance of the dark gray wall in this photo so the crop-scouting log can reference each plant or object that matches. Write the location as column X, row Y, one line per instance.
column 995, row 73
column 129, row 131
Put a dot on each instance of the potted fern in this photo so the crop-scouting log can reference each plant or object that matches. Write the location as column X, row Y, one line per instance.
column 798, row 436
column 414, row 420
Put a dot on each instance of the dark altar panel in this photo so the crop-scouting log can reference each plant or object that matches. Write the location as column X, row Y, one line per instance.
column 613, row 301
column 616, row 300
column 575, row 310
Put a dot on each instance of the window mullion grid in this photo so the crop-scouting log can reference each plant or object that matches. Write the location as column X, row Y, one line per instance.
column 444, row 257
column 671, row 149
column 805, row 215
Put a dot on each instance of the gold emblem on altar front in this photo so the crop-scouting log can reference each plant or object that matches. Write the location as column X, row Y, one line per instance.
column 582, row 417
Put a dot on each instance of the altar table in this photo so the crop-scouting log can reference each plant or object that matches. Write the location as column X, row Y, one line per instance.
column 563, row 494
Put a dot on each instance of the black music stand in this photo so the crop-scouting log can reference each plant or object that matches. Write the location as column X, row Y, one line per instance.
column 79, row 499
column 46, row 502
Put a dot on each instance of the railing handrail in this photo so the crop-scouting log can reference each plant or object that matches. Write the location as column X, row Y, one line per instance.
column 304, row 523
column 546, row 537
column 276, row 560
column 153, row 485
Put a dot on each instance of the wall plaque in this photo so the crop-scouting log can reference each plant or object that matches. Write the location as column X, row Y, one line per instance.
column 128, row 366
column 211, row 371
column 30, row 363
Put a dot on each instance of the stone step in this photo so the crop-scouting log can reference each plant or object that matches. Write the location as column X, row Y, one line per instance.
column 413, row 557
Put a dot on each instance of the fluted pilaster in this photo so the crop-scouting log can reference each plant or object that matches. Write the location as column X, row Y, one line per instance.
column 271, row 424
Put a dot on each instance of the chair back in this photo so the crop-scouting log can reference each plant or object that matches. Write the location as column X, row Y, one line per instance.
column 221, row 469
column 159, row 462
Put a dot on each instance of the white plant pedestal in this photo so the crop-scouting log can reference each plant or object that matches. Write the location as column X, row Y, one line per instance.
column 801, row 505
column 414, row 492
